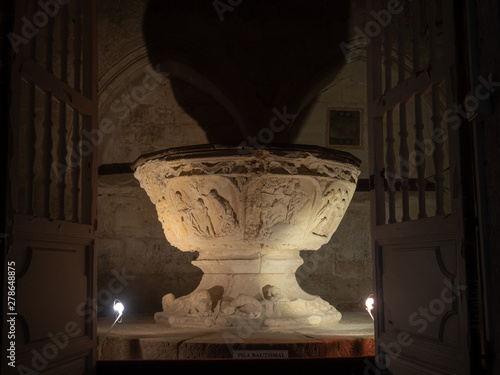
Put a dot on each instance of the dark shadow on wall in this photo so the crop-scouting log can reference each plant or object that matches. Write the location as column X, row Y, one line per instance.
column 215, row 120
column 256, row 58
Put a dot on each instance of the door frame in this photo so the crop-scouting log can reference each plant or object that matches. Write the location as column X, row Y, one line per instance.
column 42, row 245
column 464, row 208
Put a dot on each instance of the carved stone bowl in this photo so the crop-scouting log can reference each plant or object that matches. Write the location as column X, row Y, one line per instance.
column 248, row 212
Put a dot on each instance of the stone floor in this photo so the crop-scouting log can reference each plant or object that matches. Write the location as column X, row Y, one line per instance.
column 140, row 338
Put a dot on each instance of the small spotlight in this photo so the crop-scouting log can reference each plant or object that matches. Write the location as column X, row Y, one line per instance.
column 118, row 307
column 369, row 305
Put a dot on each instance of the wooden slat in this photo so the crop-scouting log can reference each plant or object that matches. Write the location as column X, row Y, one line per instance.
column 419, row 82
column 89, row 123
column 420, row 156
column 391, row 168
column 375, row 126
column 75, row 171
column 415, row 34
column 390, row 155
column 62, row 144
column 404, row 156
column 438, row 151
column 92, row 76
column 436, row 115
column 403, row 133
column 419, row 125
column 29, row 145
column 47, row 142
column 45, row 180
column 48, row 82
column 451, row 84
column 388, row 57
column 17, row 170
column 376, row 163
column 431, row 20
column 28, row 226
column 86, row 176
column 29, row 148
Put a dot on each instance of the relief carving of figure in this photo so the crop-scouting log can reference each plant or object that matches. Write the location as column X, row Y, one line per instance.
column 279, row 201
column 330, row 212
column 242, row 305
column 228, row 220
column 273, row 293
column 297, row 199
column 194, row 218
column 202, row 223
column 199, row 303
column 184, row 209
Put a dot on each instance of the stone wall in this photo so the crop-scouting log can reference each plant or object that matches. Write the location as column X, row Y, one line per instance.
column 130, row 237
column 341, row 271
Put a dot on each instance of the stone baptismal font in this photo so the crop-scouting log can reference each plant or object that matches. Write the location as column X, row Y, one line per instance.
column 248, row 212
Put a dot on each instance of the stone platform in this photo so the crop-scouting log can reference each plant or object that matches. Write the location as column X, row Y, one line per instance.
column 140, row 338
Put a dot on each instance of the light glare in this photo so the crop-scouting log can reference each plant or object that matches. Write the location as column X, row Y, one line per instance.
column 118, row 306
column 370, row 301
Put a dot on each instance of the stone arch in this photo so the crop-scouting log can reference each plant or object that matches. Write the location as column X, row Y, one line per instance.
column 136, row 63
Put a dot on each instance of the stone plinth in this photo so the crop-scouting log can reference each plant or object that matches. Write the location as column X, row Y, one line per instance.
column 139, row 338
column 248, row 212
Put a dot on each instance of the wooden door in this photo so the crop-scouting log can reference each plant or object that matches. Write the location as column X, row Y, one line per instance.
column 50, row 262
column 417, row 215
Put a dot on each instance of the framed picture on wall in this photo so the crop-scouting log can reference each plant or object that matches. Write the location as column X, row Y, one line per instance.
column 344, row 128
